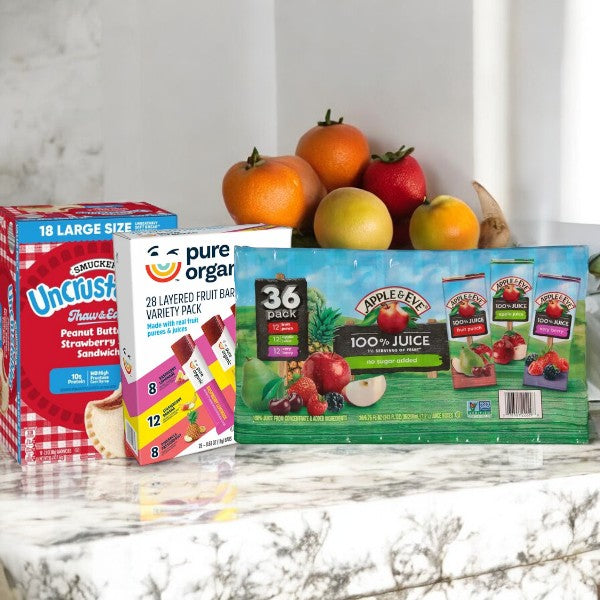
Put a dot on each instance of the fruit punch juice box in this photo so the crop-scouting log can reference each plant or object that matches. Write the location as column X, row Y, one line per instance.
column 175, row 291
column 549, row 352
column 468, row 331
column 511, row 289
column 60, row 384
column 349, row 346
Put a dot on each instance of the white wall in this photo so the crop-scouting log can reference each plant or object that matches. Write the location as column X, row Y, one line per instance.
column 401, row 71
column 154, row 100
column 189, row 89
column 51, row 146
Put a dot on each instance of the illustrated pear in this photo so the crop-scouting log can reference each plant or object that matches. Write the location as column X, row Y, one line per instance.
column 468, row 360
column 255, row 375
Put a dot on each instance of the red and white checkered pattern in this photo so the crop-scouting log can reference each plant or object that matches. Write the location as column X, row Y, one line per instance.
column 40, row 440
column 9, row 428
column 29, row 253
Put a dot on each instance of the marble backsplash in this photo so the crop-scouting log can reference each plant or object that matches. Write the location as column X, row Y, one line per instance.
column 51, row 143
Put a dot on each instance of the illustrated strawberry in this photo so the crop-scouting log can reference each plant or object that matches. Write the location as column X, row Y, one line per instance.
column 563, row 365
column 316, row 407
column 551, row 358
column 305, row 387
column 398, row 180
column 536, row 367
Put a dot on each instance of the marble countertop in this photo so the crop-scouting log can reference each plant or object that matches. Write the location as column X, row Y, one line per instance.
column 287, row 522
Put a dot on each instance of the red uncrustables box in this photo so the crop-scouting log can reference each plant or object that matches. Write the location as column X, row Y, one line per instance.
column 60, row 396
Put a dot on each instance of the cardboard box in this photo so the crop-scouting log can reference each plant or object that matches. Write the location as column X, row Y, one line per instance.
column 394, row 347
column 60, row 379
column 176, row 326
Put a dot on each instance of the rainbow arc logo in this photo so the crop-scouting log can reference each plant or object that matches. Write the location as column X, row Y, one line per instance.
column 163, row 272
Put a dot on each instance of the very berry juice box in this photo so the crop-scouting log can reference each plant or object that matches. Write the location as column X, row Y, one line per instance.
column 60, row 376
column 550, row 348
column 176, row 331
column 468, row 331
column 338, row 346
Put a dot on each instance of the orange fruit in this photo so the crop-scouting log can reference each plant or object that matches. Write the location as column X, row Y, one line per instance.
column 338, row 152
column 312, row 187
column 281, row 190
column 445, row 223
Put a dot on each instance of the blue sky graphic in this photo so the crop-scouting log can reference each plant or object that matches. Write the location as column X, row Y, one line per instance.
column 345, row 276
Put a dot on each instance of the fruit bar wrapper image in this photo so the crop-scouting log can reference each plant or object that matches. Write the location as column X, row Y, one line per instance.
column 510, row 310
column 60, row 380
column 550, row 356
column 350, row 346
column 176, row 291
column 468, row 331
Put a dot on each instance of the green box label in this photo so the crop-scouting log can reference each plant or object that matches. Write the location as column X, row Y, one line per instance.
column 395, row 361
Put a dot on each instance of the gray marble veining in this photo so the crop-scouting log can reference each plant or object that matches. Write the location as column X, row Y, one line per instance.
column 286, row 522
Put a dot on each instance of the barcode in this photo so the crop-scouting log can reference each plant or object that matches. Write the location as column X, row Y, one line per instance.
column 520, row 404
column 131, row 437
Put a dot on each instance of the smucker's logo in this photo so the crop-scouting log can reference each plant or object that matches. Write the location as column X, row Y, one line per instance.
column 164, row 271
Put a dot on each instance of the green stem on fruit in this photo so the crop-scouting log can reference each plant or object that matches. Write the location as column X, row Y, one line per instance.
column 426, row 201
column 392, row 157
column 328, row 120
column 254, row 159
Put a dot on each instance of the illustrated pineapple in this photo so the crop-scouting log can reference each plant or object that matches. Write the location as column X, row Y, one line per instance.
column 322, row 325
column 194, row 431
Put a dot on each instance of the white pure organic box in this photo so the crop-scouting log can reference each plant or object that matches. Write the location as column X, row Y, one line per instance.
column 176, row 313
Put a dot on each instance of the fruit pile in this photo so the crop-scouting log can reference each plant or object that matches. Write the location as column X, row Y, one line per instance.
column 474, row 361
column 324, row 385
column 511, row 346
column 550, row 364
column 334, row 189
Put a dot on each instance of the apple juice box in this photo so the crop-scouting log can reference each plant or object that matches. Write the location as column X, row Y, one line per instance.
column 349, row 346
column 549, row 352
column 175, row 291
column 468, row 331
column 510, row 291
column 59, row 389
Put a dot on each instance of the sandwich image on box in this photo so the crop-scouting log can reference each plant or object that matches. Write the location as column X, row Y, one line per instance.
column 175, row 291
column 61, row 380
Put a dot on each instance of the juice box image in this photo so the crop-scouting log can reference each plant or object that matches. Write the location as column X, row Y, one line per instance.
column 468, row 331
column 176, row 299
column 511, row 289
column 349, row 346
column 60, row 384
column 549, row 352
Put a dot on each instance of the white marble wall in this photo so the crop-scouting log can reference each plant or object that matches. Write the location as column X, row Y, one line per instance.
column 51, row 146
